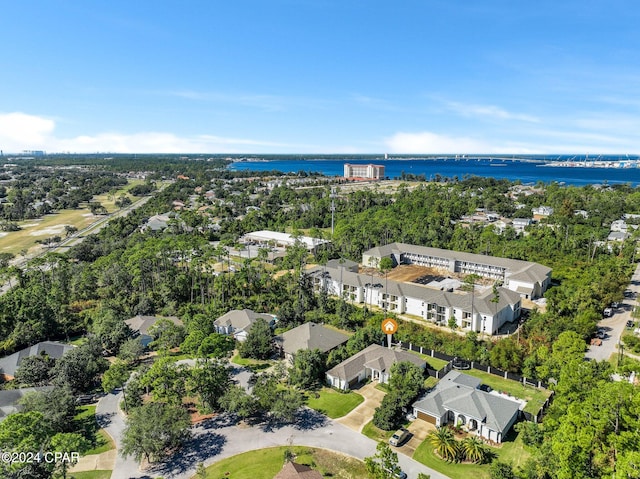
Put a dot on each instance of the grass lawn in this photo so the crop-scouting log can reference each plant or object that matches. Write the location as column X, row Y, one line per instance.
column 333, row 403
column 253, row 364
column 512, row 451
column 375, row 433
column 108, row 199
column 434, row 363
column 266, row 463
column 535, row 397
column 42, row 228
column 88, row 427
column 90, row 475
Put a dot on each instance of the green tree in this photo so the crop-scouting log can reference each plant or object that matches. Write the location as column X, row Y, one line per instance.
column 130, row 351
column 209, row 380
column 308, row 368
column 474, row 450
column 235, row 400
column 445, row 444
column 384, row 464
column 259, row 342
column 35, row 370
column 501, row 470
column 155, row 429
column 67, row 443
column 58, row 408
column 166, row 380
column 80, row 367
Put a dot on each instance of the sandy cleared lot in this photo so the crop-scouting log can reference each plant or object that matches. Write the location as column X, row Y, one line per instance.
column 410, row 272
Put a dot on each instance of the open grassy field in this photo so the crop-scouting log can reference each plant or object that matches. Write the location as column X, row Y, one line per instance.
column 42, row 228
column 266, row 463
column 333, row 403
column 108, row 199
column 53, row 225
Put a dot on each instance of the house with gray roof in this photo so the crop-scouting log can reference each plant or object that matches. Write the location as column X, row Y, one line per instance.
column 53, row 349
column 238, row 322
column 140, row 325
column 309, row 336
column 457, row 399
column 373, row 362
column 9, row 399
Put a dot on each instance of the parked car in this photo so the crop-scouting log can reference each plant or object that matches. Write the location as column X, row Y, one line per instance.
column 608, row 312
column 630, row 324
column 399, row 437
column 398, row 474
column 600, row 334
column 596, row 342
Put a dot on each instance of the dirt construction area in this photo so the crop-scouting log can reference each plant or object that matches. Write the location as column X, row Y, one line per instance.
column 410, row 272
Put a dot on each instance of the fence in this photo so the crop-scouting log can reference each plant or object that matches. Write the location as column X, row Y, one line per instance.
column 472, row 364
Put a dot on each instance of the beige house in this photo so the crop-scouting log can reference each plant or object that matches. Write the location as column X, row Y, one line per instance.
column 373, row 362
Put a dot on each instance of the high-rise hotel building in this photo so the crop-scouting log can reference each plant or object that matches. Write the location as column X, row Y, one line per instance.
column 369, row 172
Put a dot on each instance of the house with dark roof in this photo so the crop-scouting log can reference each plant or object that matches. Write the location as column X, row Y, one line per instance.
column 53, row 349
column 9, row 399
column 238, row 322
column 293, row 470
column 140, row 325
column 309, row 336
column 457, row 399
column 373, row 362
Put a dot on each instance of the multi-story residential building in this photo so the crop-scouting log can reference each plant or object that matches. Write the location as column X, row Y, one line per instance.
column 480, row 311
column 370, row 171
column 527, row 278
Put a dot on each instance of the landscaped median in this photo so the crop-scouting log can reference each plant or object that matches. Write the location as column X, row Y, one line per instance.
column 333, row 403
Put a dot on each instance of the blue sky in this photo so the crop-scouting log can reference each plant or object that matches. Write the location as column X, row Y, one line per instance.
column 320, row 76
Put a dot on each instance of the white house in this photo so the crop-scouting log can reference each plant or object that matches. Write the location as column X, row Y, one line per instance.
column 456, row 399
column 373, row 362
column 238, row 322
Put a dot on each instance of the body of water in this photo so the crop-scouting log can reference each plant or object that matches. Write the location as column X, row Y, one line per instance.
column 527, row 171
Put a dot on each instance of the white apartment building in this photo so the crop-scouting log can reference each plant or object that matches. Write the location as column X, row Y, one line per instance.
column 480, row 312
column 370, row 171
column 527, row 278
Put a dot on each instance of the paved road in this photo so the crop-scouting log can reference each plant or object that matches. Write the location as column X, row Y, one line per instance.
column 614, row 326
column 221, row 437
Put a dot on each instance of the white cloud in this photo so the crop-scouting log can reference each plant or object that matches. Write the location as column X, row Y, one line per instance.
column 428, row 142
column 489, row 111
column 19, row 131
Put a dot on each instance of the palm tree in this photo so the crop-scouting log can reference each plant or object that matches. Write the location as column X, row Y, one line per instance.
column 474, row 450
column 445, row 443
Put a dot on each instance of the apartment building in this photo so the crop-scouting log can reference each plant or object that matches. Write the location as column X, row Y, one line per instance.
column 530, row 280
column 481, row 312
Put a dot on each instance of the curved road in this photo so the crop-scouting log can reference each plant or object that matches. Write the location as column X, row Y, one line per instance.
column 220, row 438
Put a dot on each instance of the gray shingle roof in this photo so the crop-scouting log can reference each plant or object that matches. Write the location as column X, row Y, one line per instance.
column 9, row 399
column 456, row 392
column 310, row 336
column 241, row 319
column 374, row 356
column 53, row 349
column 141, row 324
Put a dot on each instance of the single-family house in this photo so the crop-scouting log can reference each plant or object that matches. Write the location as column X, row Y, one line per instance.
column 53, row 349
column 542, row 212
column 309, row 336
column 293, row 470
column 373, row 362
column 9, row 399
column 238, row 322
column 140, row 325
column 457, row 399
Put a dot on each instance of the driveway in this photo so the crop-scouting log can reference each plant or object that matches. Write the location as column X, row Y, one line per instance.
column 614, row 325
column 419, row 430
column 363, row 413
